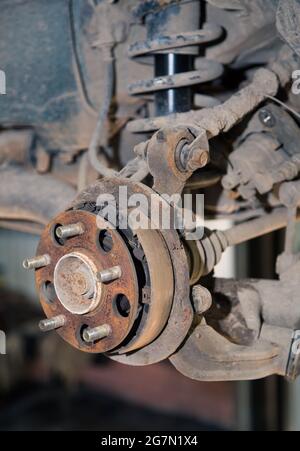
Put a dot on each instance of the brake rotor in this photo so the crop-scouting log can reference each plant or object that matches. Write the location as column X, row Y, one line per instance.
column 181, row 314
column 145, row 310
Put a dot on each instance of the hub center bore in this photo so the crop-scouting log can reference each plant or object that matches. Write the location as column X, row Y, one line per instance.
column 76, row 284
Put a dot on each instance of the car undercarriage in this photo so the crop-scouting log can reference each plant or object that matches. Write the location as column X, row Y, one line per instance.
column 124, row 127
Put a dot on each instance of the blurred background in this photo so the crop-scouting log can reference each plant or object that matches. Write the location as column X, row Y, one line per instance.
column 45, row 384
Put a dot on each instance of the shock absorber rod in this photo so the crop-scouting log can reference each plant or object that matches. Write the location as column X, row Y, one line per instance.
column 184, row 17
column 175, row 31
column 177, row 100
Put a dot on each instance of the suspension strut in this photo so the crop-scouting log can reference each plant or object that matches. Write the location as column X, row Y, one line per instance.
column 174, row 56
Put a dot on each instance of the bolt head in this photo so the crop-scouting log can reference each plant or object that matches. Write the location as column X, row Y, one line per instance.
column 267, row 118
column 204, row 159
column 198, row 159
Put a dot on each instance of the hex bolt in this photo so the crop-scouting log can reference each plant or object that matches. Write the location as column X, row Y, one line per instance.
column 191, row 160
column 198, row 159
column 69, row 231
column 46, row 325
column 37, row 262
column 90, row 335
column 267, row 118
column 202, row 299
column 108, row 275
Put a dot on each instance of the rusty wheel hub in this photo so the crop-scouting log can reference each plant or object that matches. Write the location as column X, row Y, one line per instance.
column 76, row 284
column 104, row 290
column 71, row 284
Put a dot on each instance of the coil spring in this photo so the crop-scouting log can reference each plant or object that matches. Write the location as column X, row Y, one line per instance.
column 206, row 70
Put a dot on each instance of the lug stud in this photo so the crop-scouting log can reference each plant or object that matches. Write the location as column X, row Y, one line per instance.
column 69, row 231
column 37, row 262
column 46, row 325
column 108, row 275
column 96, row 333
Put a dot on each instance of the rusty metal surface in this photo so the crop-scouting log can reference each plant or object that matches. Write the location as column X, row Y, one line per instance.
column 105, row 313
column 161, row 289
column 168, row 179
column 175, row 30
column 221, row 118
column 209, row 33
column 181, row 314
column 159, row 322
column 42, row 197
column 207, row 356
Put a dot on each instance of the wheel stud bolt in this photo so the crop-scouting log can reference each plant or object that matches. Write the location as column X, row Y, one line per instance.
column 69, row 231
column 37, row 262
column 91, row 335
column 46, row 325
column 108, row 275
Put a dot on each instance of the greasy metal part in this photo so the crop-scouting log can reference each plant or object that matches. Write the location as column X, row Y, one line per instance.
column 37, row 262
column 90, row 248
column 49, row 324
column 181, row 314
column 69, row 231
column 108, row 275
column 97, row 333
